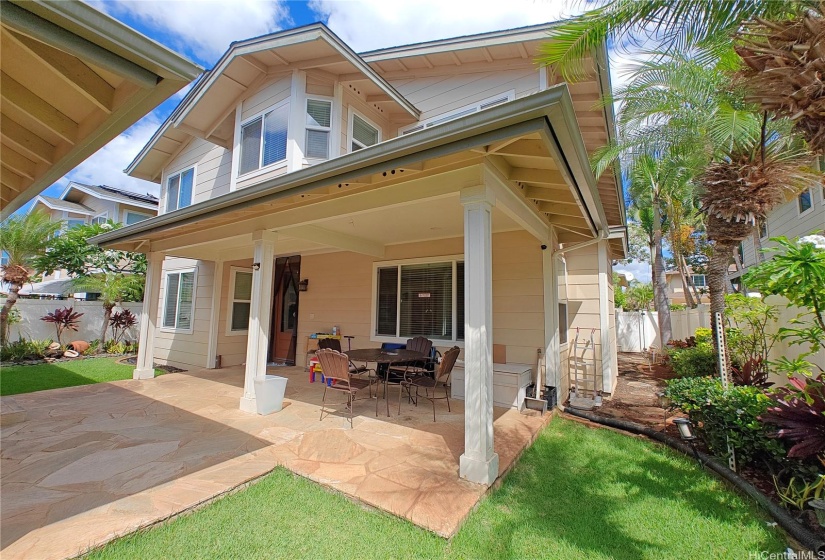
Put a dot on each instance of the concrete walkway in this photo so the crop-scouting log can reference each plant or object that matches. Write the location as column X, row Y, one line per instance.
column 83, row 465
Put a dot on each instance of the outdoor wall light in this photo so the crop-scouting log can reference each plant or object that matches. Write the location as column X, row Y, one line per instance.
column 256, row 266
column 685, row 428
column 303, row 285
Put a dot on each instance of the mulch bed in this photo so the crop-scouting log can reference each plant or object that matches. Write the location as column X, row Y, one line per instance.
column 132, row 360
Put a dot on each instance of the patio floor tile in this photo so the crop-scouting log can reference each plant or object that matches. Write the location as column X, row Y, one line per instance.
column 86, row 464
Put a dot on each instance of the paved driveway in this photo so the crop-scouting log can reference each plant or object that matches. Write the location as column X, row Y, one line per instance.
column 91, row 463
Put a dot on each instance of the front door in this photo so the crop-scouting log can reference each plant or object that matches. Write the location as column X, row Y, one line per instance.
column 284, row 327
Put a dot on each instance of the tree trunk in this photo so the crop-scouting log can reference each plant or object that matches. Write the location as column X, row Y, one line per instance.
column 692, row 285
column 4, row 313
column 717, row 278
column 685, row 285
column 652, row 270
column 659, row 284
column 107, row 314
column 740, row 270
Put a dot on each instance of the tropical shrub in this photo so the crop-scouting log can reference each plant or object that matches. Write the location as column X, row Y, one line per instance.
column 753, row 372
column 733, row 415
column 798, row 410
column 121, row 322
column 703, row 335
column 63, row 320
column 24, row 350
column 696, row 361
column 749, row 332
column 115, row 347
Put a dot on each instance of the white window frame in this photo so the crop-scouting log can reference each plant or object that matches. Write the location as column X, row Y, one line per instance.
column 456, row 113
column 328, row 129
column 233, row 271
column 104, row 215
column 166, row 274
column 704, row 280
column 275, row 164
column 146, row 216
column 799, row 211
column 352, row 113
column 194, row 170
column 398, row 339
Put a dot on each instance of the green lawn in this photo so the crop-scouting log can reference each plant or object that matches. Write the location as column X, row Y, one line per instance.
column 577, row 493
column 26, row 379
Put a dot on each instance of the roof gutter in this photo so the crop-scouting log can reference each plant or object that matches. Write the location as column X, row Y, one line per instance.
column 522, row 116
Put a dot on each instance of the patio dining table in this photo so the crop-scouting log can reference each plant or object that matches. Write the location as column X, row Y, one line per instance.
column 383, row 356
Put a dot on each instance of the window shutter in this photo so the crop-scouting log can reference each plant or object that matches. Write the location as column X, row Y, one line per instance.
column 387, row 305
column 171, row 309
column 317, row 144
column 426, row 300
column 275, row 132
column 362, row 132
column 187, row 283
column 172, row 193
column 186, row 184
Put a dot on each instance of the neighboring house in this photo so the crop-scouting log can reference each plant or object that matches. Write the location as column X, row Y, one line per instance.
column 439, row 189
column 797, row 217
column 675, row 287
column 81, row 204
column 73, row 79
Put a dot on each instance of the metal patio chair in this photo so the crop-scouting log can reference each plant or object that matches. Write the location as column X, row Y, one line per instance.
column 339, row 378
column 431, row 384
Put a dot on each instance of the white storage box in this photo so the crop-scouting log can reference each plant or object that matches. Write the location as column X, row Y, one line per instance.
column 510, row 383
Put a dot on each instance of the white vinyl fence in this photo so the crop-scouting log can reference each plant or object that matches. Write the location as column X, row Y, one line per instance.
column 31, row 327
column 638, row 331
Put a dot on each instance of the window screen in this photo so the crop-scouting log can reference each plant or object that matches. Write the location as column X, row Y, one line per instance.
column 459, row 300
column 178, row 309
column 275, row 132
column 363, row 133
column 318, row 113
column 317, row 144
column 563, row 323
column 241, row 301
column 172, row 192
column 426, row 300
column 179, row 190
column 251, row 146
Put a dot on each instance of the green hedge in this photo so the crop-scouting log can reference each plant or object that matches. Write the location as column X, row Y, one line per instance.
column 697, row 361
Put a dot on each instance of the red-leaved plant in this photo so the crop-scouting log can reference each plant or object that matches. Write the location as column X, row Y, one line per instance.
column 121, row 322
column 753, row 372
column 798, row 410
column 63, row 319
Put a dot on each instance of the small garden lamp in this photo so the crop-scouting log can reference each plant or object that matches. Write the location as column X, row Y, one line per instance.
column 664, row 403
column 685, row 429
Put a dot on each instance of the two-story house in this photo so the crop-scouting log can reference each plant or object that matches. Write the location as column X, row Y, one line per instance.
column 438, row 189
column 797, row 217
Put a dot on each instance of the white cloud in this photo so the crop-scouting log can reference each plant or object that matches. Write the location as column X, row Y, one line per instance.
column 372, row 24
column 105, row 167
column 205, row 27
column 640, row 271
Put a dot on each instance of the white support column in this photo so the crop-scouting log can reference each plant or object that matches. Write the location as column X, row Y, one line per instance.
column 260, row 315
column 552, row 360
column 479, row 463
column 145, row 367
column 604, row 319
column 214, row 317
column 297, row 122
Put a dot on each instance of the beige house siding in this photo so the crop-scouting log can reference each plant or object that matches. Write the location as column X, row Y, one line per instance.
column 212, row 170
column 182, row 349
column 351, row 100
column 269, row 94
column 230, row 347
column 436, row 95
column 786, row 220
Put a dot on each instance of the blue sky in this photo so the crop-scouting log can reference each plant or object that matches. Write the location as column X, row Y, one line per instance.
column 202, row 30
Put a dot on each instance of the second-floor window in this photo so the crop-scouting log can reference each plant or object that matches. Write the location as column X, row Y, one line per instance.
column 805, row 201
column 699, row 280
column 179, row 189
column 318, row 125
column 100, row 219
column 362, row 133
column 263, row 139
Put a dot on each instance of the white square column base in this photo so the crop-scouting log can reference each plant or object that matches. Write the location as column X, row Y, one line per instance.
column 477, row 470
column 249, row 404
column 143, row 373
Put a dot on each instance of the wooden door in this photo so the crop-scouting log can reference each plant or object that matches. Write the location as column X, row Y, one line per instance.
column 284, row 328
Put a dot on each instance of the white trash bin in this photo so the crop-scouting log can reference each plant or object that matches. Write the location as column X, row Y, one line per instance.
column 269, row 393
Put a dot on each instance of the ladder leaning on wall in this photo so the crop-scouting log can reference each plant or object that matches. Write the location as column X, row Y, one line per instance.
column 582, row 365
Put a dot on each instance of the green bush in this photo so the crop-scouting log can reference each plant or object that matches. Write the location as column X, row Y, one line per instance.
column 734, row 414
column 697, row 361
column 703, row 335
column 24, row 350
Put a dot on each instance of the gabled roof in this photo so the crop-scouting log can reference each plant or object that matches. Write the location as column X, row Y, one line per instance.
column 59, row 204
column 112, row 194
column 207, row 109
column 73, row 79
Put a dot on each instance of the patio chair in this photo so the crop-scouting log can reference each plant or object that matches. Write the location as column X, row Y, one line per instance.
column 424, row 381
column 339, row 378
column 417, row 344
column 335, row 344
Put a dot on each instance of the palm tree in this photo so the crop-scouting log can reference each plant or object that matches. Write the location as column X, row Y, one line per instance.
column 114, row 288
column 22, row 238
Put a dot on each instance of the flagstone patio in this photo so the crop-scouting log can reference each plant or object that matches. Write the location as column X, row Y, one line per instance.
column 83, row 465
